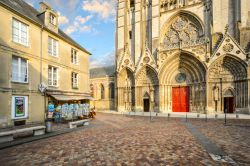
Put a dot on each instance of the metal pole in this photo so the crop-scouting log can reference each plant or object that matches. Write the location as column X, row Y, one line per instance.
column 186, row 116
column 206, row 115
column 150, row 116
column 225, row 116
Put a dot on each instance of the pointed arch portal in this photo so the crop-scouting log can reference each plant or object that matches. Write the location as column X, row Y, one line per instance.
column 182, row 80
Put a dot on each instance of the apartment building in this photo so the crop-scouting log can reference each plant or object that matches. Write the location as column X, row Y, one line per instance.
column 39, row 64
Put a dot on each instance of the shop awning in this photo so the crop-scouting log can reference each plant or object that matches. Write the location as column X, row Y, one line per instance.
column 70, row 98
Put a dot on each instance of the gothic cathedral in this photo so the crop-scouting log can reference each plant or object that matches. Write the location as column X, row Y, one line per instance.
column 183, row 55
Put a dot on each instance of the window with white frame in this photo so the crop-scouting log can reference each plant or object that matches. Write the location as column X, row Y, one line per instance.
column 74, row 56
column 52, row 76
column 52, row 19
column 19, row 69
column 74, row 80
column 20, row 32
column 53, row 47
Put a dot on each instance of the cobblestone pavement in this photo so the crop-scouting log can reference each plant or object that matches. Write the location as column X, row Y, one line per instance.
column 118, row 140
column 233, row 138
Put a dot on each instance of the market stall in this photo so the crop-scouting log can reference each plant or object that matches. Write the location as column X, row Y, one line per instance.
column 64, row 107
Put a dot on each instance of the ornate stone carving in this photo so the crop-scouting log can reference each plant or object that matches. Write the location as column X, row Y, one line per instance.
column 228, row 47
column 147, row 76
column 146, row 59
column 227, row 68
column 182, row 30
column 199, row 50
column 126, row 62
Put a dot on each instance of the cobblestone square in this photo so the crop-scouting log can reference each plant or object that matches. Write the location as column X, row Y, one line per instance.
column 133, row 140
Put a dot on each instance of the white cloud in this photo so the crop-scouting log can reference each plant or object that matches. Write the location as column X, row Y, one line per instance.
column 62, row 19
column 83, row 20
column 79, row 25
column 106, row 60
column 105, row 9
column 85, row 28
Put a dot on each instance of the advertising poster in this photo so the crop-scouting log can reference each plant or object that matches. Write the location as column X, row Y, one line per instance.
column 19, row 106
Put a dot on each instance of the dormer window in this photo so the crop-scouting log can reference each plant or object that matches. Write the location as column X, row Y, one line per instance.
column 52, row 19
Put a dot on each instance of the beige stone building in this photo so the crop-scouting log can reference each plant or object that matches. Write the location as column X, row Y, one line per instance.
column 102, row 86
column 183, row 55
column 35, row 54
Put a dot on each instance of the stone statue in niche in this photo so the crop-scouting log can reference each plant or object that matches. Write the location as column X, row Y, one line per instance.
column 216, row 93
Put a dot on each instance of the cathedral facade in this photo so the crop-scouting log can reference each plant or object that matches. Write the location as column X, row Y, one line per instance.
column 183, row 55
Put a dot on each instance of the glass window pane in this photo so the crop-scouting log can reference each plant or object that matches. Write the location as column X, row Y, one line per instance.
column 14, row 68
column 23, row 71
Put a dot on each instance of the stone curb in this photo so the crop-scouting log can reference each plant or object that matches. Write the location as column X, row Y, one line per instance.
column 180, row 115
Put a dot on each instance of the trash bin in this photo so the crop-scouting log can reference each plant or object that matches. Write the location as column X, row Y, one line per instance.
column 48, row 126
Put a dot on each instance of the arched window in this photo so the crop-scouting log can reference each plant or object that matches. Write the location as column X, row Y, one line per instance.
column 102, row 91
column 111, row 90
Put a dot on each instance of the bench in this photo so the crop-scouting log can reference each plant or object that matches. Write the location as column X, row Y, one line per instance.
column 74, row 124
column 7, row 136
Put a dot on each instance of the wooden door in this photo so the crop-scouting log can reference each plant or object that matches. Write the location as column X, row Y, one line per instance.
column 229, row 104
column 180, row 99
column 146, row 105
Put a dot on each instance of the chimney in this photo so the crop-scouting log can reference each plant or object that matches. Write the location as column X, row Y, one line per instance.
column 44, row 6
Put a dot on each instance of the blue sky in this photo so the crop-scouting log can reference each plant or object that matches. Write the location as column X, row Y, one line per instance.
column 91, row 23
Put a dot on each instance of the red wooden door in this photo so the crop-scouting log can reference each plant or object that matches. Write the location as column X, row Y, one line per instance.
column 180, row 99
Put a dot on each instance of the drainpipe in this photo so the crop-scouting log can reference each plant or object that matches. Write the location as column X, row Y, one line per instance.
column 41, row 66
column 41, row 54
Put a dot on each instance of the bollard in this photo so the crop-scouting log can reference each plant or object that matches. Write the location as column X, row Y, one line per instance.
column 237, row 116
column 186, row 117
column 216, row 116
column 168, row 116
column 198, row 115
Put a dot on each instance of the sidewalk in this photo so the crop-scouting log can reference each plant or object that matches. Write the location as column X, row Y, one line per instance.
column 182, row 115
column 57, row 129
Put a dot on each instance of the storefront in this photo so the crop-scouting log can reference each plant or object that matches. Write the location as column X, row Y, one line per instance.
column 67, row 106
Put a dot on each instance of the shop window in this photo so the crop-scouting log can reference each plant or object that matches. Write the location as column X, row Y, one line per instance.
column 52, row 47
column 19, row 107
column 20, row 32
column 52, row 76
column 19, row 70
column 74, row 56
column 102, row 91
column 74, row 80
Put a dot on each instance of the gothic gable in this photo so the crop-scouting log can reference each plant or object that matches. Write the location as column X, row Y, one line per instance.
column 146, row 59
column 126, row 61
column 228, row 46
